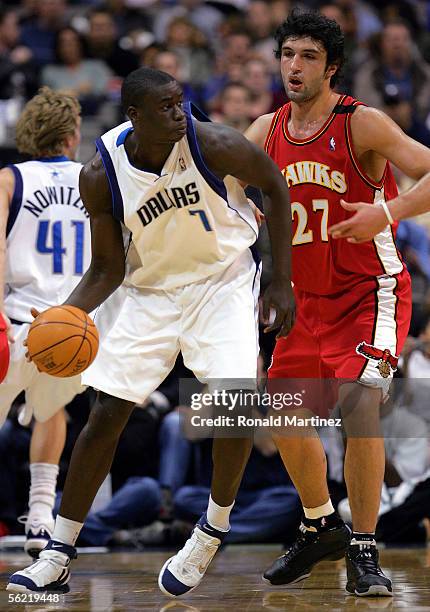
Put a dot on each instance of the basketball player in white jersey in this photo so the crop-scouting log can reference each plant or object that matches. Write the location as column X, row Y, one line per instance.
column 188, row 282
column 44, row 251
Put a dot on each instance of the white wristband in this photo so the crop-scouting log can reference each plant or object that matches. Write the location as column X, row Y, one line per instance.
column 387, row 212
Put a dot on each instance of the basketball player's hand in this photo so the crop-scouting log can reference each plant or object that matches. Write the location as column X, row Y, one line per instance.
column 34, row 313
column 363, row 225
column 259, row 216
column 9, row 329
column 279, row 296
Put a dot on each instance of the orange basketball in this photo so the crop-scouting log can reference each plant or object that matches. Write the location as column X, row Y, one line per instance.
column 63, row 341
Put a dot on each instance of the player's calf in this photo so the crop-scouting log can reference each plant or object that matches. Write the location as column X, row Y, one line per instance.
column 49, row 574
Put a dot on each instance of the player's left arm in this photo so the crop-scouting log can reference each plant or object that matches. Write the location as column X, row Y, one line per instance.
column 376, row 133
column 228, row 152
column 7, row 186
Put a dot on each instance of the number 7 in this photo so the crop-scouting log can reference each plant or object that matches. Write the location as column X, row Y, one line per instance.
column 203, row 218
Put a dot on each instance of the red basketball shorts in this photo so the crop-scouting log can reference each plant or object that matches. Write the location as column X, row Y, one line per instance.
column 354, row 335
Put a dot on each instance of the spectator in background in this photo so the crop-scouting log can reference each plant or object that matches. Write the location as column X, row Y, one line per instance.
column 414, row 244
column 367, row 20
column 234, row 109
column 204, row 17
column 102, row 44
column 190, row 44
column 170, row 62
column 416, row 372
column 397, row 64
column 39, row 32
column 402, row 112
column 260, row 25
column 18, row 73
column 345, row 18
column 258, row 79
column 235, row 51
column 86, row 78
column 128, row 15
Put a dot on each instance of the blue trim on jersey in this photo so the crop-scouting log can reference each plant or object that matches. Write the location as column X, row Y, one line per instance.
column 257, row 260
column 117, row 203
column 51, row 160
column 121, row 138
column 255, row 254
column 15, row 205
column 212, row 180
column 199, row 114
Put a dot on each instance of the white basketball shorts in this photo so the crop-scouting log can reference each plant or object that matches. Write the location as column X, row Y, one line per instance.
column 212, row 322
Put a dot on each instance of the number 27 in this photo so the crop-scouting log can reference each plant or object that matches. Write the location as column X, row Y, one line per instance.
column 303, row 235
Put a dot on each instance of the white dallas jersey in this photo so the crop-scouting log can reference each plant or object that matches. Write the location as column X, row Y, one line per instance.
column 186, row 223
column 48, row 236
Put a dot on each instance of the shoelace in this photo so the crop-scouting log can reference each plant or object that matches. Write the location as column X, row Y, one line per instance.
column 368, row 560
column 301, row 541
column 201, row 553
column 22, row 519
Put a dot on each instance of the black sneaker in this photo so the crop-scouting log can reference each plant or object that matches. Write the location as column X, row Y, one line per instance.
column 365, row 577
column 312, row 545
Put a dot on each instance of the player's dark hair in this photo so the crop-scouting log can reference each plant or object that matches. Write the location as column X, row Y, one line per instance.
column 139, row 83
column 311, row 24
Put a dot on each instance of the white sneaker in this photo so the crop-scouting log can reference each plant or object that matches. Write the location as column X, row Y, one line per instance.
column 183, row 572
column 50, row 573
column 38, row 532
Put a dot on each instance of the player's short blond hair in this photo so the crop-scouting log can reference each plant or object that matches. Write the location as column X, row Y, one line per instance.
column 46, row 121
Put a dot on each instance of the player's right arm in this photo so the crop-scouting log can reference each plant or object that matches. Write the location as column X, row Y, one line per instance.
column 107, row 267
column 7, row 186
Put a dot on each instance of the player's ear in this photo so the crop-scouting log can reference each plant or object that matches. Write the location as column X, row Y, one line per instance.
column 331, row 70
column 132, row 113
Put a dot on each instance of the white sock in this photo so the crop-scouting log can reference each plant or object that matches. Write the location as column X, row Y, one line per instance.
column 218, row 516
column 66, row 530
column 42, row 490
column 319, row 511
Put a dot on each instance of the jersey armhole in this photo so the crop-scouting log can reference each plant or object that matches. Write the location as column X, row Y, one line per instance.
column 355, row 162
column 15, row 205
column 212, row 180
column 272, row 129
column 117, row 202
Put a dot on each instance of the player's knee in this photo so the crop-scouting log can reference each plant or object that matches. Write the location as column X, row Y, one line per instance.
column 108, row 417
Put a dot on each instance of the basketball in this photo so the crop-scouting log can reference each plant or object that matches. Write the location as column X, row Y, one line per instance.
column 63, row 341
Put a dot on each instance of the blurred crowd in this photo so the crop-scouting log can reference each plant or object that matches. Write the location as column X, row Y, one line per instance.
column 222, row 54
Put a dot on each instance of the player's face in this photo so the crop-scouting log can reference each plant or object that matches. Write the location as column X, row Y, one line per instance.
column 303, row 68
column 161, row 119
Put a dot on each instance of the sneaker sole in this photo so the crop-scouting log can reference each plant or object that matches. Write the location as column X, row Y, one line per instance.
column 375, row 590
column 163, row 589
column 299, row 579
column 20, row 588
column 333, row 556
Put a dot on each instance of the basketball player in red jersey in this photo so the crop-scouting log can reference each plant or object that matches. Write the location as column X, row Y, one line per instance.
column 353, row 299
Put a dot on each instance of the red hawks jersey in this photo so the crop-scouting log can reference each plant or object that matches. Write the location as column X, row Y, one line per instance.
column 320, row 171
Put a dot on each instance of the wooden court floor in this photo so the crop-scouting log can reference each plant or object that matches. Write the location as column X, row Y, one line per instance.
column 125, row 582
